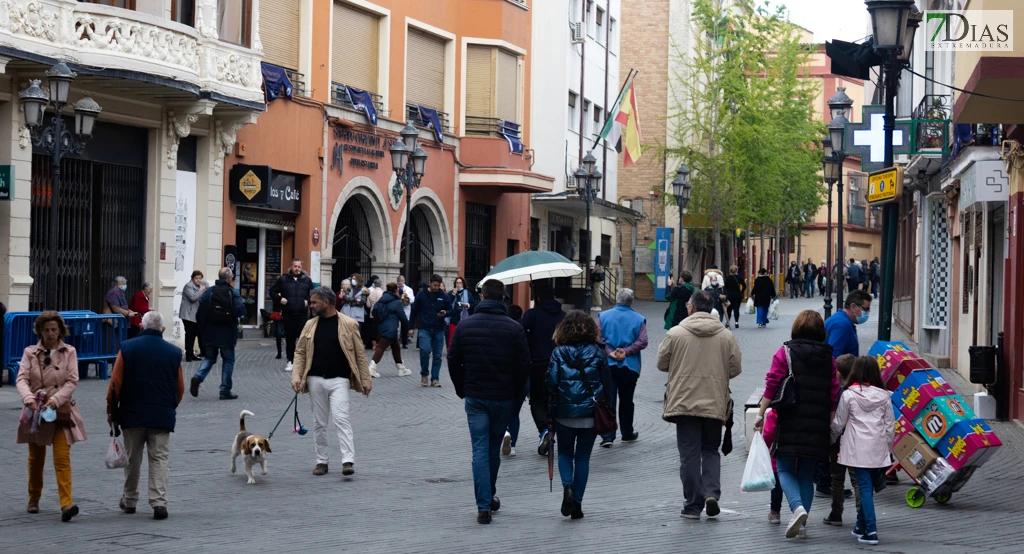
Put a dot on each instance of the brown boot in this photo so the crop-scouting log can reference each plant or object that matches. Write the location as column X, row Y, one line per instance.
column 320, row 469
column 68, row 512
column 33, row 506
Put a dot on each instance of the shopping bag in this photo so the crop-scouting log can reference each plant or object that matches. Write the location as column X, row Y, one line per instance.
column 773, row 310
column 757, row 474
column 116, row 455
column 750, row 305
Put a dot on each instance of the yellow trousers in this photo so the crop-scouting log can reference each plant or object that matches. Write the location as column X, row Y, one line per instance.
column 61, row 466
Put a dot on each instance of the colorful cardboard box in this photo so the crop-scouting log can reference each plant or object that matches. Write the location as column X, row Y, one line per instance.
column 914, row 454
column 881, row 347
column 940, row 472
column 940, row 415
column 969, row 443
column 902, row 427
column 918, row 389
column 902, row 370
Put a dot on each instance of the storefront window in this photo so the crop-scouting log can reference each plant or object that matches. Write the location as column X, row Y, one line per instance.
column 233, row 21
column 248, row 239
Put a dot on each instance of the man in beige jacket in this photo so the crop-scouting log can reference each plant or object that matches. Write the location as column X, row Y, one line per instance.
column 329, row 361
column 700, row 356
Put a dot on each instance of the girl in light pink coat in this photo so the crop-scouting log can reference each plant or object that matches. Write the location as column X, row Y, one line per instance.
column 865, row 419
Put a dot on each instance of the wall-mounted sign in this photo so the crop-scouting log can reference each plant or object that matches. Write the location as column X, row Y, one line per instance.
column 6, row 183
column 363, row 149
column 316, row 236
column 885, row 186
column 560, row 219
column 984, row 181
column 260, row 186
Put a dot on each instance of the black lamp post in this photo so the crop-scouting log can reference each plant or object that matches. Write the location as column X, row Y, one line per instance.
column 409, row 162
column 588, row 185
column 58, row 141
column 681, row 188
column 830, row 171
column 894, row 23
column 839, row 106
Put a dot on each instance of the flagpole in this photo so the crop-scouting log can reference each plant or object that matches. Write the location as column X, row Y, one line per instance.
column 629, row 79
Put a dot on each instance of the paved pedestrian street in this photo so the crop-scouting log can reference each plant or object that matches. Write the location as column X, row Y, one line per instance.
column 412, row 490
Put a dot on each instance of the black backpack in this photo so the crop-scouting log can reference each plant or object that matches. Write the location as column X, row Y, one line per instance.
column 222, row 304
column 378, row 312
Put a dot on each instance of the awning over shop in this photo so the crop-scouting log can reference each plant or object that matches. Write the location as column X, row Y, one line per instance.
column 266, row 220
column 573, row 204
column 507, row 179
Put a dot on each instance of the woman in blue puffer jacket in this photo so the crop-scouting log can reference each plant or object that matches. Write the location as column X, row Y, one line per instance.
column 577, row 375
column 390, row 316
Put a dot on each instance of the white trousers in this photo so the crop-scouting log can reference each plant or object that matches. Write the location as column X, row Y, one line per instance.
column 329, row 398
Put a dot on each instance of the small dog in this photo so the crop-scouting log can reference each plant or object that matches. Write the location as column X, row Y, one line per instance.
column 254, row 447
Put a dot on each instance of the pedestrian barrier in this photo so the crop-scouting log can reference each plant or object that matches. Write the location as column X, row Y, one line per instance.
column 96, row 337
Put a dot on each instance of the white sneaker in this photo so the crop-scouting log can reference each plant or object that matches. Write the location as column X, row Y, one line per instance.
column 373, row 370
column 798, row 519
column 288, row 367
column 512, row 452
column 402, row 371
column 506, row 444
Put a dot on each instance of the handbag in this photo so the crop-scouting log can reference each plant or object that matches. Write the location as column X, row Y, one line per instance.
column 604, row 415
column 275, row 316
column 786, row 395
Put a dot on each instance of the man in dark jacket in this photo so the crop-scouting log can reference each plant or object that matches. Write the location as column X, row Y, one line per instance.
column 428, row 312
column 489, row 362
column 145, row 389
column 874, row 276
column 292, row 291
column 219, row 310
column 539, row 323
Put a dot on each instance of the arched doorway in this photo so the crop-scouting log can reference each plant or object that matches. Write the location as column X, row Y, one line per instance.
column 422, row 248
column 352, row 250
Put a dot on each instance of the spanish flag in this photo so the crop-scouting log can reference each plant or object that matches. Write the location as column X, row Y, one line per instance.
column 623, row 125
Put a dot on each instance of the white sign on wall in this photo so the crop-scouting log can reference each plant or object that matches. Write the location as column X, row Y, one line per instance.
column 314, row 266
column 984, row 181
column 184, row 241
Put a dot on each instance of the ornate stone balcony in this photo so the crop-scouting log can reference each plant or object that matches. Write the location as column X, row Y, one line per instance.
column 115, row 38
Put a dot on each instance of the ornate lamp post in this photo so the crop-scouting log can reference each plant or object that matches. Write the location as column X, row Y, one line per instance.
column 830, row 170
column 58, row 141
column 839, row 106
column 588, row 185
column 894, row 23
column 681, row 188
column 409, row 163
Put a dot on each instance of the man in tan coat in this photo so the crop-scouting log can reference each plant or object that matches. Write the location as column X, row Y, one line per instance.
column 700, row 356
column 329, row 361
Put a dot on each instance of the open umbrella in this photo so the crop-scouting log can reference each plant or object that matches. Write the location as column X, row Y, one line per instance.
column 528, row 266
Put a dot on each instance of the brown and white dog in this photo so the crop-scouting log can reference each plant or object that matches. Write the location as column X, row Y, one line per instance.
column 253, row 447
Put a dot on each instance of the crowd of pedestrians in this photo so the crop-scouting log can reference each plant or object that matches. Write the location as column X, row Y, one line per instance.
column 856, row 275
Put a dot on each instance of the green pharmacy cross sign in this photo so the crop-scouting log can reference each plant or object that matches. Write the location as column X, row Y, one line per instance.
column 911, row 136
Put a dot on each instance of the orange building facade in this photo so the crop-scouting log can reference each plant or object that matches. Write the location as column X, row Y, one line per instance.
column 313, row 179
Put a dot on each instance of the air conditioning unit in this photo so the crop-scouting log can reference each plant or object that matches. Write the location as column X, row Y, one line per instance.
column 576, row 29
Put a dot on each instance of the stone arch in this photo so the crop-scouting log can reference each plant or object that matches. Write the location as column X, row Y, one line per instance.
column 440, row 230
column 364, row 191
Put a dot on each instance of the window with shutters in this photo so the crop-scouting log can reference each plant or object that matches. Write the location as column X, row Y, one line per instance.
column 599, row 24
column 572, row 109
column 598, row 124
column 355, row 46
column 586, row 114
column 493, row 86
column 233, row 17
column 424, row 78
column 279, row 33
column 184, row 12
column 613, row 37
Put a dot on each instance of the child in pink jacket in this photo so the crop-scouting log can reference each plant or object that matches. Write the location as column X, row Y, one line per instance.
column 774, row 509
column 866, row 422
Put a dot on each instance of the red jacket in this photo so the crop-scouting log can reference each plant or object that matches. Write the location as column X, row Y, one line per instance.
column 139, row 303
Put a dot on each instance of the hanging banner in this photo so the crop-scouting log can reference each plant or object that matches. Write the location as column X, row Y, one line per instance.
column 184, row 243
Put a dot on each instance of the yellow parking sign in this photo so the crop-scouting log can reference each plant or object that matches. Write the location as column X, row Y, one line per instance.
column 885, row 185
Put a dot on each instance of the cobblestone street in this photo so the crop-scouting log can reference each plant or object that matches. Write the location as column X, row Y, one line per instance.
column 412, row 491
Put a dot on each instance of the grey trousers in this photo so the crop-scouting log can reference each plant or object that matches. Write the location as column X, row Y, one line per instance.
column 700, row 465
column 157, row 442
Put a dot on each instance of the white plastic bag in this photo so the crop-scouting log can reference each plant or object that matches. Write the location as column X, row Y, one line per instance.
column 116, row 455
column 750, row 305
column 773, row 310
column 757, row 474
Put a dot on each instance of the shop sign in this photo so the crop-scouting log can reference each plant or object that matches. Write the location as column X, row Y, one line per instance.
column 984, row 181
column 364, row 150
column 560, row 220
column 885, row 185
column 259, row 186
column 6, row 183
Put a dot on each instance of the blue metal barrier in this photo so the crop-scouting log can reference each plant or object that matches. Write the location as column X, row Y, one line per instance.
column 96, row 337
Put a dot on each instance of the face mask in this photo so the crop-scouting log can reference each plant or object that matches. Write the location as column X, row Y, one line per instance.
column 123, row 287
column 863, row 318
column 49, row 415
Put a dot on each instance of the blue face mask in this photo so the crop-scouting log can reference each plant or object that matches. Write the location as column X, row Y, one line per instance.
column 123, row 287
column 863, row 318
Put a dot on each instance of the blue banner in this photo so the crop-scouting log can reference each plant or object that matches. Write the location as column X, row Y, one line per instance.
column 663, row 262
column 432, row 120
column 275, row 82
column 361, row 100
column 510, row 131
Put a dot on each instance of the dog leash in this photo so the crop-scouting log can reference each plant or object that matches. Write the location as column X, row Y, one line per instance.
column 298, row 424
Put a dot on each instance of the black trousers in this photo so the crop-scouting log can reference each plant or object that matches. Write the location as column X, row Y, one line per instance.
column 734, row 308
column 191, row 332
column 404, row 331
column 539, row 394
column 293, row 325
column 623, row 387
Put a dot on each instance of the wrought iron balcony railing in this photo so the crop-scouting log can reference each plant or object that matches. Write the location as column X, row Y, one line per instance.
column 298, row 82
column 978, row 134
column 932, row 123
column 412, row 113
column 340, row 97
column 490, row 127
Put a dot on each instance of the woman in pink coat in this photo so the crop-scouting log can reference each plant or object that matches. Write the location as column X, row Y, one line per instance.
column 50, row 367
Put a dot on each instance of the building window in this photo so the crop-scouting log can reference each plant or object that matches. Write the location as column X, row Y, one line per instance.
column 586, row 112
column 424, row 78
column 929, row 72
column 492, row 84
column 587, row 17
column 184, row 12
column 599, row 23
column 613, row 37
column 355, row 44
column 233, row 17
column 279, row 33
column 126, row 4
column 598, row 124
column 534, row 234
column 572, row 110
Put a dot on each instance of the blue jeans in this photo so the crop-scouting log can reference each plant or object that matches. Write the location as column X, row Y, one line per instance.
column 797, row 478
column 762, row 315
column 809, row 287
column 574, row 448
column 866, row 510
column 488, row 420
column 430, row 342
column 226, row 369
